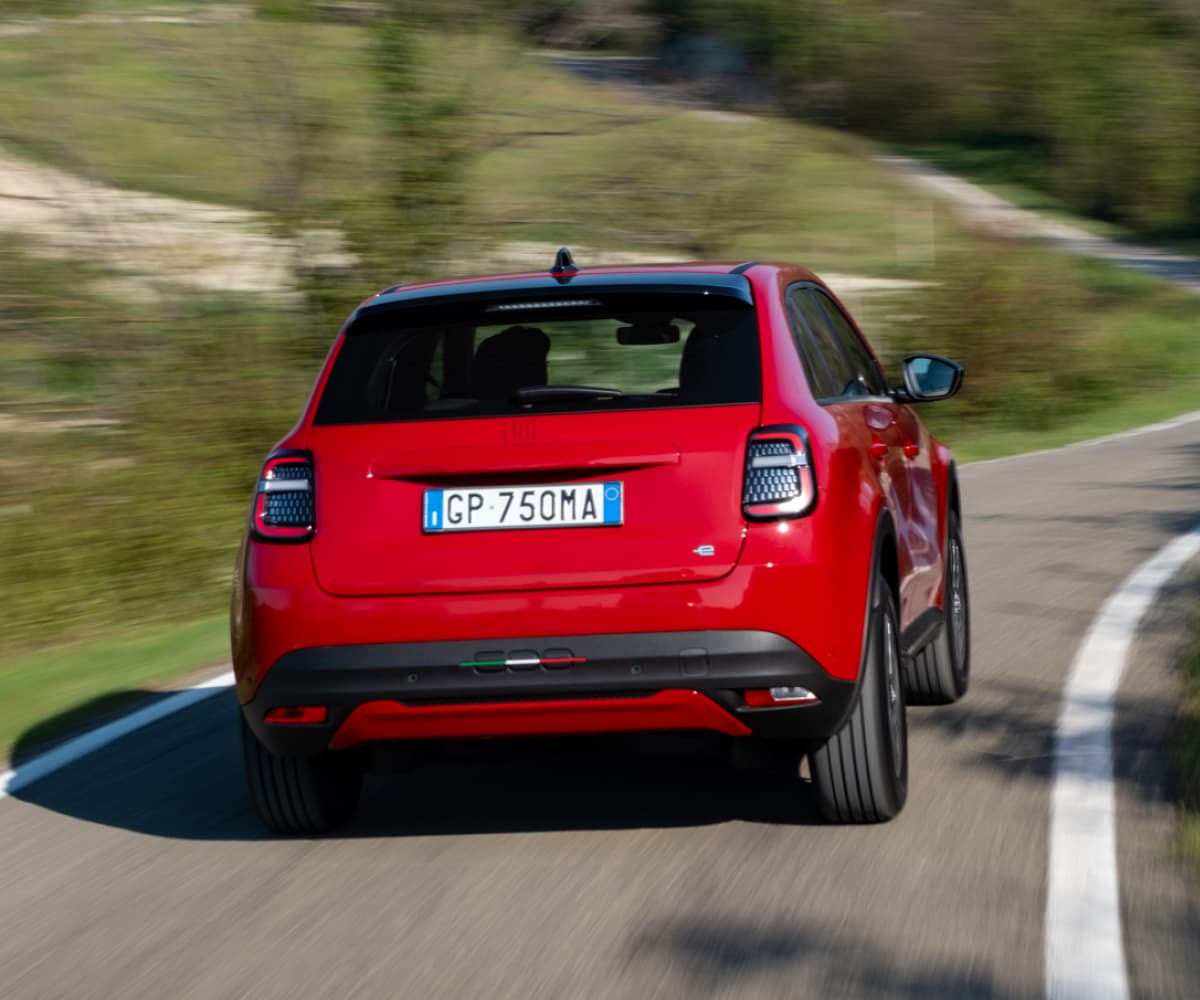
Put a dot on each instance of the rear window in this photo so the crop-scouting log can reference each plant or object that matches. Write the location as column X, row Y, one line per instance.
column 619, row 352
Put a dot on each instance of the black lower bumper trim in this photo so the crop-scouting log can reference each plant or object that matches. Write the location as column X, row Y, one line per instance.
column 721, row 664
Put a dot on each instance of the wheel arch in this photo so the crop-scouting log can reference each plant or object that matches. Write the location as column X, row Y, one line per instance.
column 953, row 500
column 885, row 560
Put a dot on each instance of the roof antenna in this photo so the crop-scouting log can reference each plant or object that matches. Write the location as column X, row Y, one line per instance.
column 563, row 264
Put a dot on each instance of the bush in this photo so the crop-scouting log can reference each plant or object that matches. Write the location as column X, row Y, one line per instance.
column 1104, row 93
column 999, row 310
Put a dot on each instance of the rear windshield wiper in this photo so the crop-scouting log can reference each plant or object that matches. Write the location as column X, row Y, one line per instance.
column 556, row 393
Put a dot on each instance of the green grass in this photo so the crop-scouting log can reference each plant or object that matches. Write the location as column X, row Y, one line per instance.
column 210, row 112
column 262, row 112
column 984, row 443
column 681, row 181
column 1134, row 358
column 48, row 694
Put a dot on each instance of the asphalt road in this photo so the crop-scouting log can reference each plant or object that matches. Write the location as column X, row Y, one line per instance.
column 648, row 868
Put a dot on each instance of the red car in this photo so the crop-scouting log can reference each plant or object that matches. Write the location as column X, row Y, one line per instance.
column 609, row 499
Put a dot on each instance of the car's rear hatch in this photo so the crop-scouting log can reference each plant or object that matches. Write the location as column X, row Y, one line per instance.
column 438, row 471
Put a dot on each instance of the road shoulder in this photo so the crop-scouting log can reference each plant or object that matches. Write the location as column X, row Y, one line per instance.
column 1160, row 910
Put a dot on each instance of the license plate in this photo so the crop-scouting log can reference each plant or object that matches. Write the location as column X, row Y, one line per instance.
column 568, row 505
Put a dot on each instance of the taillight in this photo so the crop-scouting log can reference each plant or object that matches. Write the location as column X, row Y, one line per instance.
column 779, row 480
column 284, row 509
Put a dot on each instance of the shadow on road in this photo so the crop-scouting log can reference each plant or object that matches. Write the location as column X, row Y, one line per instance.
column 1166, row 523
column 1009, row 728
column 182, row 778
column 713, row 956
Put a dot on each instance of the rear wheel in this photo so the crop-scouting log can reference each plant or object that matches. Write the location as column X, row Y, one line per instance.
column 861, row 771
column 300, row 795
column 939, row 673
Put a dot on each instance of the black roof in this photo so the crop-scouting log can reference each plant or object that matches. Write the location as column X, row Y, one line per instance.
column 734, row 286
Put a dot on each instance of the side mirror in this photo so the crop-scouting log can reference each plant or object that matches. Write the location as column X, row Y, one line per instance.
column 928, row 377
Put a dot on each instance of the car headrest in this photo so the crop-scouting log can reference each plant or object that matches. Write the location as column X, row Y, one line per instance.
column 508, row 361
column 717, row 366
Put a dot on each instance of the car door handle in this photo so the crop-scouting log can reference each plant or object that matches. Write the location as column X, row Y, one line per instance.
column 911, row 449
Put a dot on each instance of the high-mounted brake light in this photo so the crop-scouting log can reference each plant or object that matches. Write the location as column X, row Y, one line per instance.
column 542, row 304
column 780, row 481
column 284, row 508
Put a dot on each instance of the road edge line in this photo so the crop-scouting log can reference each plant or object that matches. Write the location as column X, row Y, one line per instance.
column 14, row 779
column 1163, row 425
column 1084, row 943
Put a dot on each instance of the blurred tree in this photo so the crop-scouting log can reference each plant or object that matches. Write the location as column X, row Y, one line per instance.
column 413, row 223
column 1113, row 102
column 584, row 24
column 1018, row 330
column 1100, row 97
column 422, row 154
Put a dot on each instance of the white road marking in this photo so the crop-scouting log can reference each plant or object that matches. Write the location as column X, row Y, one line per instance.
column 51, row 761
column 1085, row 956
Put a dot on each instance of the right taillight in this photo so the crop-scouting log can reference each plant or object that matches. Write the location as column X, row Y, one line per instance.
column 779, row 480
column 284, row 508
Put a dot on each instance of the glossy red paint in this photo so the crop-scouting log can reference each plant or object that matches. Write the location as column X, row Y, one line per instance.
column 365, row 478
column 675, row 709
column 912, row 488
column 806, row 579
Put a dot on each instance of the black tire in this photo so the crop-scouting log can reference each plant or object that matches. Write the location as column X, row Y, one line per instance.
column 861, row 771
column 940, row 673
column 300, row 795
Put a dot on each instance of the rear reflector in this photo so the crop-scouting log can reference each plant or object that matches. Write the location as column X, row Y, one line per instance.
column 779, row 480
column 284, row 508
column 780, row 696
column 293, row 714
column 377, row 721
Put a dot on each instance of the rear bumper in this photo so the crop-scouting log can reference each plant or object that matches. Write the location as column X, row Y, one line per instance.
column 804, row 580
column 531, row 686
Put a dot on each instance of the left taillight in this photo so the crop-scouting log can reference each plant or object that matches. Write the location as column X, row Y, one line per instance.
column 284, row 504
